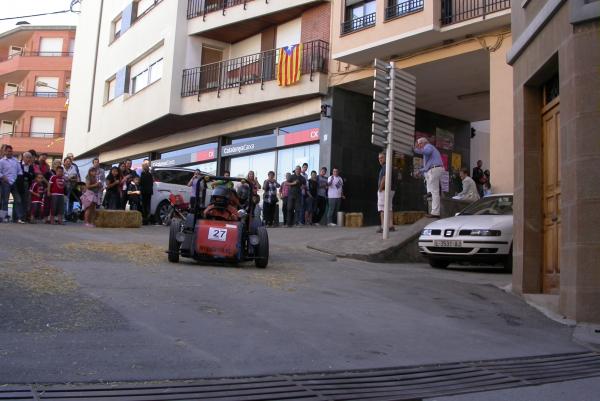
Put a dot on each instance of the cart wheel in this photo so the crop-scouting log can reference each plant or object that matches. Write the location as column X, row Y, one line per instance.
column 262, row 250
column 174, row 245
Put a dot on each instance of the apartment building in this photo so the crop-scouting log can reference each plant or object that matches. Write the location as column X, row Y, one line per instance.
column 456, row 49
column 35, row 73
column 556, row 62
column 193, row 83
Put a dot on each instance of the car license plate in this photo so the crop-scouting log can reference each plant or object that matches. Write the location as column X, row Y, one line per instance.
column 447, row 243
column 217, row 234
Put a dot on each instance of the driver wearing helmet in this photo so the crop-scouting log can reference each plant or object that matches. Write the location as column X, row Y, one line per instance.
column 221, row 205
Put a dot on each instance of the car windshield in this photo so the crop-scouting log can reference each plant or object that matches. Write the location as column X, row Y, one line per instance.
column 493, row 205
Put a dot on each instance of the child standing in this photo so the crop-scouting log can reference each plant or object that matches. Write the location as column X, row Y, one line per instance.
column 133, row 194
column 37, row 191
column 56, row 193
column 90, row 197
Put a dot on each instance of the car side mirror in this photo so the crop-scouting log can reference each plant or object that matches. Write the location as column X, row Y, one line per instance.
column 457, row 214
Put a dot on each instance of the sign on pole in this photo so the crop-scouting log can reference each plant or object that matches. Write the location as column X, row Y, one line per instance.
column 393, row 126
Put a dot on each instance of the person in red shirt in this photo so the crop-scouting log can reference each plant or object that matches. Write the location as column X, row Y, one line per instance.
column 56, row 194
column 37, row 191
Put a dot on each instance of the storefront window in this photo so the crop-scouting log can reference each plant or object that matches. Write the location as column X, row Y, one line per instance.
column 260, row 163
column 299, row 127
column 288, row 159
column 249, row 139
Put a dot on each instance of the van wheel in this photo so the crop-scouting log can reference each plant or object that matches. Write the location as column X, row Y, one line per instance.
column 438, row 264
column 174, row 245
column 262, row 249
column 162, row 212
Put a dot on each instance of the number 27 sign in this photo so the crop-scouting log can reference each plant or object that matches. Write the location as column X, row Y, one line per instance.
column 217, row 234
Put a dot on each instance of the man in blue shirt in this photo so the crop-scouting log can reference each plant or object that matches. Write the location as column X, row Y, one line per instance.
column 10, row 168
column 433, row 167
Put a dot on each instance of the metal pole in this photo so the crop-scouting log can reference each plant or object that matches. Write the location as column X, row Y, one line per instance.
column 388, row 160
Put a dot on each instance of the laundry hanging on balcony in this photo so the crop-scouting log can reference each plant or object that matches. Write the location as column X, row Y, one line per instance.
column 290, row 65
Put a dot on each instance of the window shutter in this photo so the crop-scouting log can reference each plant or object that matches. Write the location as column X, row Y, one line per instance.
column 122, row 84
column 127, row 18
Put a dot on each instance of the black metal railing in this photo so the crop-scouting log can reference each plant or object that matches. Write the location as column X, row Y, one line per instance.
column 34, row 134
column 356, row 24
column 251, row 69
column 33, row 94
column 38, row 54
column 403, row 7
column 197, row 8
column 454, row 11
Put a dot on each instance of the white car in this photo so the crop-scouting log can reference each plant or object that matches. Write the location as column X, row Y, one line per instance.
column 481, row 233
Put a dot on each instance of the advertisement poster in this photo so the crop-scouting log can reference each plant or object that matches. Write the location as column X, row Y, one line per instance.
column 456, row 161
column 445, row 161
column 445, row 181
column 417, row 165
column 430, row 137
column 444, row 139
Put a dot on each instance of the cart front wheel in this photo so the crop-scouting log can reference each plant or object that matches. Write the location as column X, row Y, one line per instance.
column 174, row 245
column 262, row 249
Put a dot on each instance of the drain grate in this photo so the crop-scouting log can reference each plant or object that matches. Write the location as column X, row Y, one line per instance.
column 388, row 384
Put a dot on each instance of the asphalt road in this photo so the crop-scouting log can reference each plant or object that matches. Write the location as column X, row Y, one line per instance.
column 80, row 305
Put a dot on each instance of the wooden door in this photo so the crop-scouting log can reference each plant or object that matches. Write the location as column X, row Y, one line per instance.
column 551, row 197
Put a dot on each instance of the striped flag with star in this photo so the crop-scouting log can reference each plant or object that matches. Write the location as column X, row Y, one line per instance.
column 290, row 65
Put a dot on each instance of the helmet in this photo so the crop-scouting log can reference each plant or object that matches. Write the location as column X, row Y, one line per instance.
column 243, row 192
column 220, row 197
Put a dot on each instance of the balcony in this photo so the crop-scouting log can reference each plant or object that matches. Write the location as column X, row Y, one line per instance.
column 39, row 141
column 403, row 8
column 15, row 67
column 358, row 24
column 233, row 20
column 12, row 105
column 249, row 70
column 455, row 11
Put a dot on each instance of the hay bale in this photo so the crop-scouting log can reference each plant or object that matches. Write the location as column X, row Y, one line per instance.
column 407, row 217
column 118, row 219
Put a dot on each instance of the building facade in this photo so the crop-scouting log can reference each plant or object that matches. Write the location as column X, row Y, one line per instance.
column 556, row 62
column 456, row 49
column 193, row 83
column 35, row 74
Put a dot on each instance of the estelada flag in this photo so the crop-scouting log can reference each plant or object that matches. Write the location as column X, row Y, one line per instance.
column 290, row 62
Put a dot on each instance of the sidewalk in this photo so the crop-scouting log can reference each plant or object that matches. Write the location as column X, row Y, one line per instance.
column 365, row 244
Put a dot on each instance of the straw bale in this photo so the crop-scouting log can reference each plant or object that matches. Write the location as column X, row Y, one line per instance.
column 118, row 219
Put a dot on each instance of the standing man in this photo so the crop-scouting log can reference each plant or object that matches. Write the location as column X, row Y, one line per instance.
column 71, row 179
column 146, row 189
column 24, row 182
column 381, row 193
column 304, row 193
column 70, row 156
column 321, row 196
column 296, row 182
column 335, row 193
column 128, row 175
column 478, row 177
column 433, row 167
column 10, row 169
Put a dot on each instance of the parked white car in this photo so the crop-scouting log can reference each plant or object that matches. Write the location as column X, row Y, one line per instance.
column 481, row 233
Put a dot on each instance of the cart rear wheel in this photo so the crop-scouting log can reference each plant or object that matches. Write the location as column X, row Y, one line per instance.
column 174, row 245
column 262, row 249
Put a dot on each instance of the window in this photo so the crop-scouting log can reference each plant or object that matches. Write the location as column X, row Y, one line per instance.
column 359, row 15
column 71, row 46
column 111, row 85
column 42, row 127
column 46, row 87
column 146, row 71
column 187, row 151
column 6, row 127
column 15, row 51
column 10, row 89
column 143, row 6
column 51, row 47
column 117, row 27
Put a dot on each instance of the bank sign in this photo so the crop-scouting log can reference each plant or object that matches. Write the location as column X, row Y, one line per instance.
column 270, row 142
column 196, row 157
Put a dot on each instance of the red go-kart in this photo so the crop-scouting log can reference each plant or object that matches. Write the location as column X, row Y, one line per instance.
column 223, row 229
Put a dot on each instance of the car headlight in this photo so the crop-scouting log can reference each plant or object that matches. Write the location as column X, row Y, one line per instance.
column 426, row 232
column 485, row 233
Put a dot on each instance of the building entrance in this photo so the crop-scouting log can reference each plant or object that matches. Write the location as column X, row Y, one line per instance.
column 551, row 192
